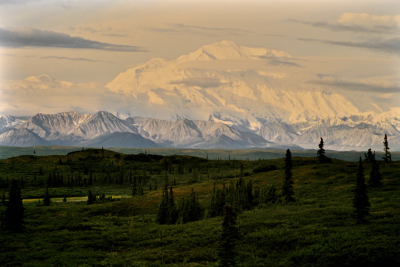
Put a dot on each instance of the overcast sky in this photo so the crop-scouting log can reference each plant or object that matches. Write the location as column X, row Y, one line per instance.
column 91, row 42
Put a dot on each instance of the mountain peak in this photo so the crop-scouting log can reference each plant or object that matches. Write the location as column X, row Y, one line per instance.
column 39, row 79
column 225, row 43
column 104, row 113
column 228, row 50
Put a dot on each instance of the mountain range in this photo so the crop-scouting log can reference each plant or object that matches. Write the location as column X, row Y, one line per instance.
column 107, row 130
column 104, row 129
column 222, row 95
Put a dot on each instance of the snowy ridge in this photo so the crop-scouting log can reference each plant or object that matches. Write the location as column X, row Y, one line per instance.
column 233, row 84
column 226, row 50
column 358, row 132
column 105, row 129
column 7, row 121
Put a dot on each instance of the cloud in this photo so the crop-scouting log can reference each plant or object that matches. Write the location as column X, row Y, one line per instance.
column 364, row 86
column 274, row 35
column 385, row 22
column 338, row 27
column 193, row 29
column 65, row 4
column 47, row 95
column 8, row 55
column 90, row 29
column 76, row 59
column 115, row 35
column 15, row 2
column 30, row 37
column 205, row 82
column 110, row 32
column 224, row 30
column 358, row 22
column 276, row 61
column 391, row 46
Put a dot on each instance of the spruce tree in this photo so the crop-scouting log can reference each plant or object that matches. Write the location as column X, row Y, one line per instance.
column 162, row 215
column 141, row 190
column 90, row 179
column 172, row 212
column 387, row 156
column 369, row 157
column 287, row 189
column 360, row 201
column 375, row 176
column 46, row 199
column 91, row 198
column 321, row 151
column 13, row 219
column 270, row 195
column 230, row 234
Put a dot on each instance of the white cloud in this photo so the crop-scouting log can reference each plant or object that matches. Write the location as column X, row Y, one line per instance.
column 370, row 21
column 30, row 37
column 358, row 22
column 376, row 84
column 47, row 95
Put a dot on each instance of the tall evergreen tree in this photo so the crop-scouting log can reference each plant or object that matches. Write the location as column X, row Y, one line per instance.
column 321, row 151
column 13, row 219
column 375, row 176
column 46, row 199
column 360, row 201
column 369, row 157
column 270, row 196
column 189, row 209
column 287, row 189
column 91, row 198
column 162, row 215
column 387, row 156
column 90, row 179
column 141, row 189
column 230, row 234
column 172, row 212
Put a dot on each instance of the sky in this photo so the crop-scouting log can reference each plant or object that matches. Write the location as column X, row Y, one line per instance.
column 80, row 46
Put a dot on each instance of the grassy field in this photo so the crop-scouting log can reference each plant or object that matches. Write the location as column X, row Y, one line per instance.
column 240, row 154
column 316, row 230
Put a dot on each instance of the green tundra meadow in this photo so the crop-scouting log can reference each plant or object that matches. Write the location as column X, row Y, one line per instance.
column 122, row 225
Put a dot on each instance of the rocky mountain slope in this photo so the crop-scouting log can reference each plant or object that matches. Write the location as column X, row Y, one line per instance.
column 105, row 129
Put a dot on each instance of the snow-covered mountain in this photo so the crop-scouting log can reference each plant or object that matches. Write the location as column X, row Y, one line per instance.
column 70, row 128
column 21, row 137
column 222, row 95
column 233, row 84
column 105, row 129
column 7, row 121
column 259, row 90
column 197, row 134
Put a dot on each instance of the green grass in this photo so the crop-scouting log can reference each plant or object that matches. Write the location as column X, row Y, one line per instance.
column 240, row 154
column 316, row 230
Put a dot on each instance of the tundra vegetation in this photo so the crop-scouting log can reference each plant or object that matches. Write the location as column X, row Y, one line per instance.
column 97, row 207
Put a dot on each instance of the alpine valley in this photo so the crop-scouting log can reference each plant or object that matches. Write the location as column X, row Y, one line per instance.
column 264, row 99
